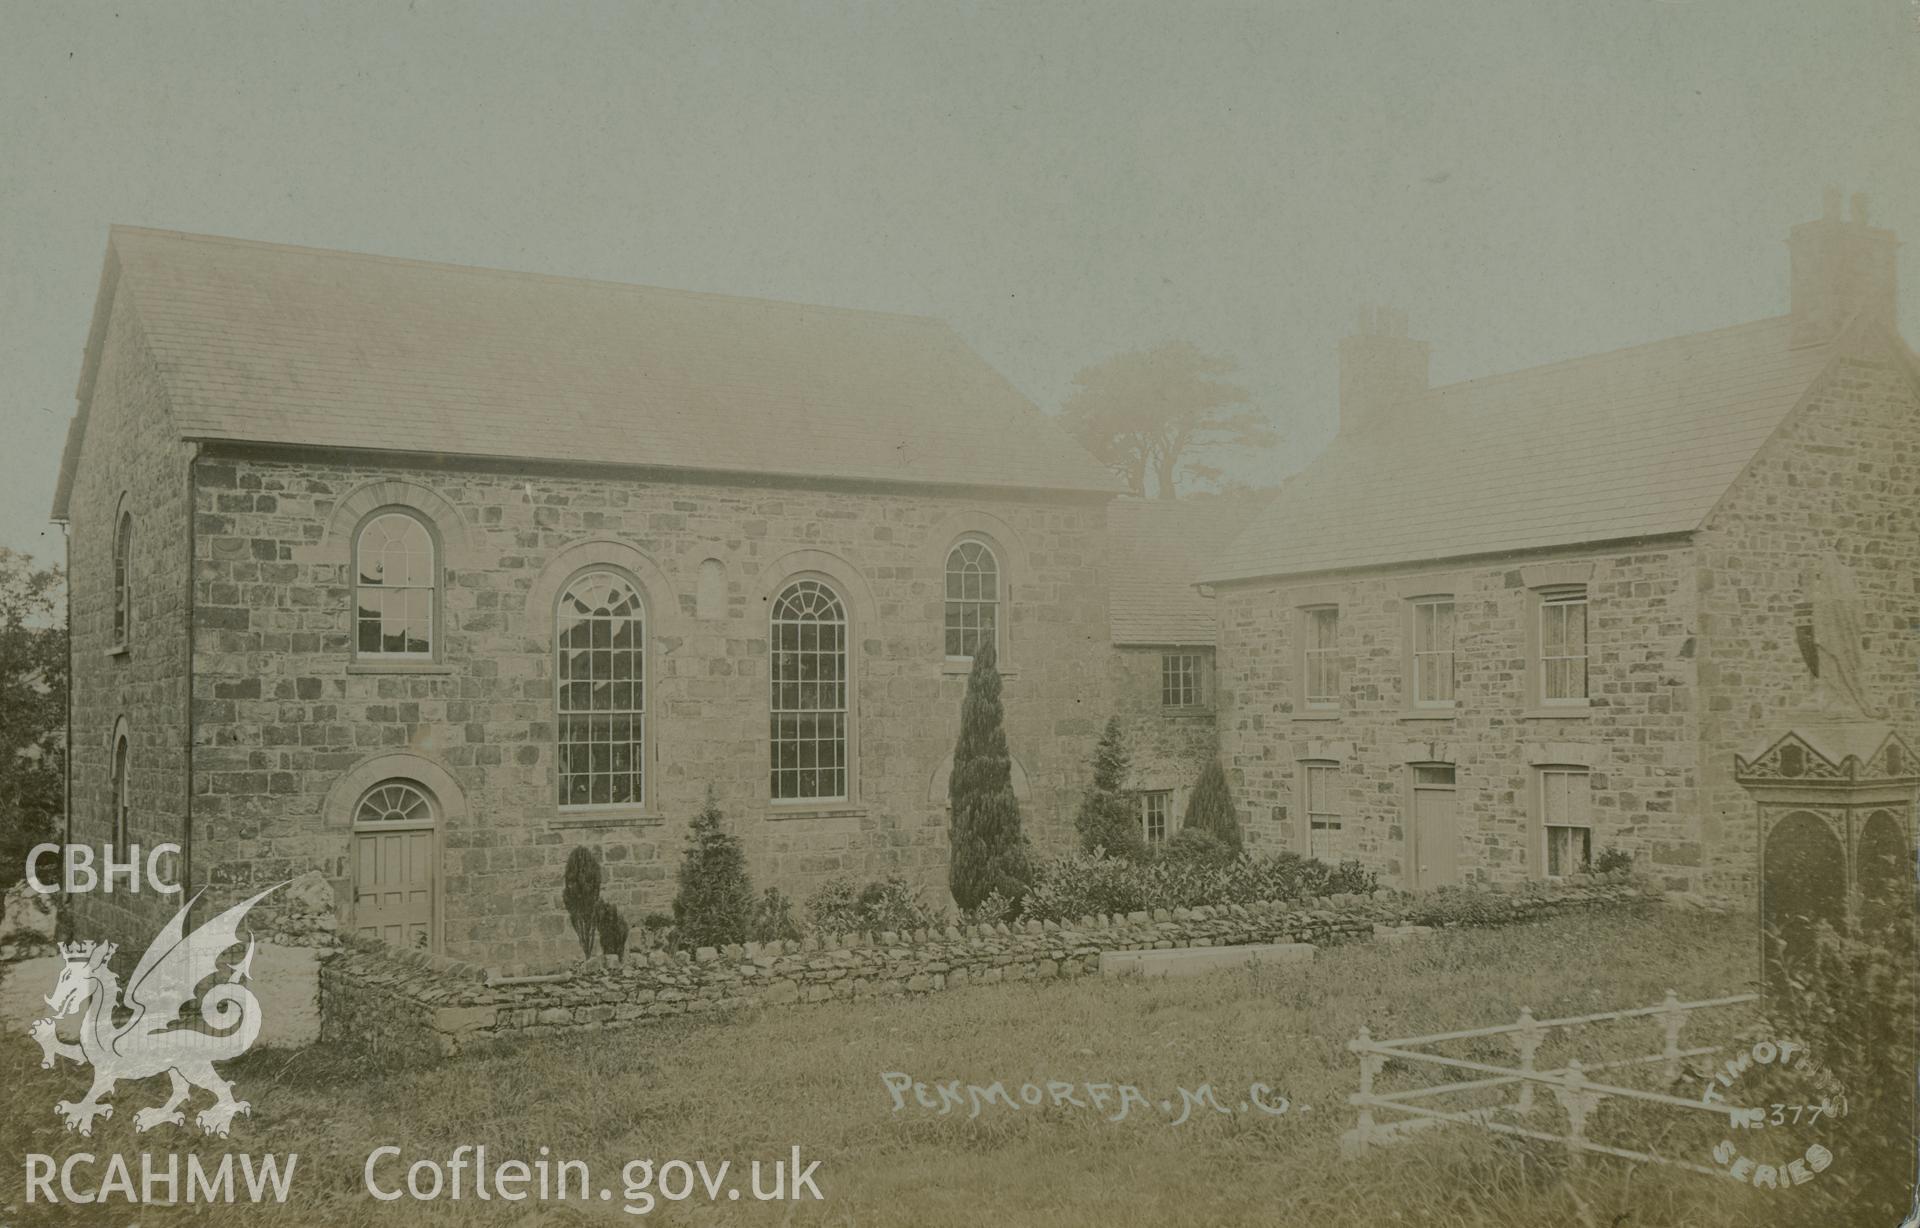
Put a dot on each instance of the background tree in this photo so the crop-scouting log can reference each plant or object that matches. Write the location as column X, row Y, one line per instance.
column 987, row 850
column 715, row 904
column 33, row 710
column 1156, row 413
column 1210, row 809
column 1109, row 818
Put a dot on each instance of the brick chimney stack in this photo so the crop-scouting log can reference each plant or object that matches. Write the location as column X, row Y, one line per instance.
column 1379, row 367
column 1841, row 268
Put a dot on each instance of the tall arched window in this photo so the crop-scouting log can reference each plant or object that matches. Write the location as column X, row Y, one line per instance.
column 600, row 638
column 394, row 583
column 973, row 598
column 122, row 808
column 809, row 694
column 122, row 578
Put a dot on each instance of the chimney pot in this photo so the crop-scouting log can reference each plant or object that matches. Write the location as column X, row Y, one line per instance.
column 1841, row 269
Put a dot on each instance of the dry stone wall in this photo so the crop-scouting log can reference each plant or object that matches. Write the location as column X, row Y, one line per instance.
column 416, row 1005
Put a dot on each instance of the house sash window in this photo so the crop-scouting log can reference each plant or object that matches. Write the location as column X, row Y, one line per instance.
column 1321, row 628
column 1566, row 820
column 1563, row 646
column 1433, row 652
column 1180, row 679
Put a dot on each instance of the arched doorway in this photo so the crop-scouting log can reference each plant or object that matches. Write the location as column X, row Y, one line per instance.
column 1802, row 883
column 394, row 837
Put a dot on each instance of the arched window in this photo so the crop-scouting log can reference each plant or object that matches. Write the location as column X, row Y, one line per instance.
column 394, row 803
column 394, row 583
column 809, row 694
column 122, row 578
column 393, row 864
column 973, row 598
column 600, row 638
column 122, row 808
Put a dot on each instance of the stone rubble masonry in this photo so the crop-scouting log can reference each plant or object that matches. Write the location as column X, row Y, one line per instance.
column 421, row 1006
column 1168, row 746
column 283, row 714
column 132, row 461
column 1637, row 736
column 1693, row 660
column 1842, row 479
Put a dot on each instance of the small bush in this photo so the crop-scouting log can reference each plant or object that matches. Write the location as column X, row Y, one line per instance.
column 1082, row 884
column 773, row 918
column 1197, row 847
column 993, row 910
column 1612, row 860
column 839, row 907
column 580, row 894
column 612, row 929
column 714, row 906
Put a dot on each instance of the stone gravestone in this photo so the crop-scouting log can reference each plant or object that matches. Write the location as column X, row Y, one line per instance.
column 1835, row 797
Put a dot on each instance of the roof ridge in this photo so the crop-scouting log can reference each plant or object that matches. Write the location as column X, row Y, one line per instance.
column 1658, row 343
column 482, row 270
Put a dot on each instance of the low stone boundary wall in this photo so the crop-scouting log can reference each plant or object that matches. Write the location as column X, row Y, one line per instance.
column 418, row 1005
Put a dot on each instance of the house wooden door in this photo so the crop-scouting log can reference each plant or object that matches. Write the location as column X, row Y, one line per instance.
column 1433, row 834
column 393, row 866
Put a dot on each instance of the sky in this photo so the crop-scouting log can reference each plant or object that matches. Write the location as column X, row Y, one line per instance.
column 1528, row 180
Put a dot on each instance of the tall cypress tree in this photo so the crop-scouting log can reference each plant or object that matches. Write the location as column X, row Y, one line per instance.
column 1210, row 809
column 986, row 850
column 1109, row 819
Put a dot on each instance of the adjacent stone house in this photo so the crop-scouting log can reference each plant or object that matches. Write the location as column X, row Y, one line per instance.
column 1163, row 631
column 1504, row 625
column 423, row 575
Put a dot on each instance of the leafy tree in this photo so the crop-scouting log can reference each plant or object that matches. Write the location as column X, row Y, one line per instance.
column 715, row 904
column 987, row 850
column 581, row 895
column 1109, row 817
column 1149, row 413
column 1210, row 809
column 33, row 710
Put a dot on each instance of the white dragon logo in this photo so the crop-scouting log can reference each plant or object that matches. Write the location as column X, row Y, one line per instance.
column 152, row 1039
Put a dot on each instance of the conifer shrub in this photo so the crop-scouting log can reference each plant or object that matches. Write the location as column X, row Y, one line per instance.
column 1109, row 817
column 1210, row 809
column 987, row 852
column 714, row 905
column 580, row 895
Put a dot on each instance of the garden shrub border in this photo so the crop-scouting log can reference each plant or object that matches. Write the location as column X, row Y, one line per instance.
column 419, row 1006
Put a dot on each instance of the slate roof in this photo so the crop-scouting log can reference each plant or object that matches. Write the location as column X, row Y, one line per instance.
column 1633, row 443
column 286, row 345
column 1158, row 546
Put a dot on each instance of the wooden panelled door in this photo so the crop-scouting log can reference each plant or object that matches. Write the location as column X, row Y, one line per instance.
column 1433, row 836
column 393, row 865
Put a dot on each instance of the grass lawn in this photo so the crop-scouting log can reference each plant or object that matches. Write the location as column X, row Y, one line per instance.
column 756, row 1086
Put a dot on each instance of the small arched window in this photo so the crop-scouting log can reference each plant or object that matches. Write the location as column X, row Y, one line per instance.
column 394, row 588
column 600, row 638
column 122, row 578
column 122, row 807
column 393, row 804
column 809, row 694
column 973, row 598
